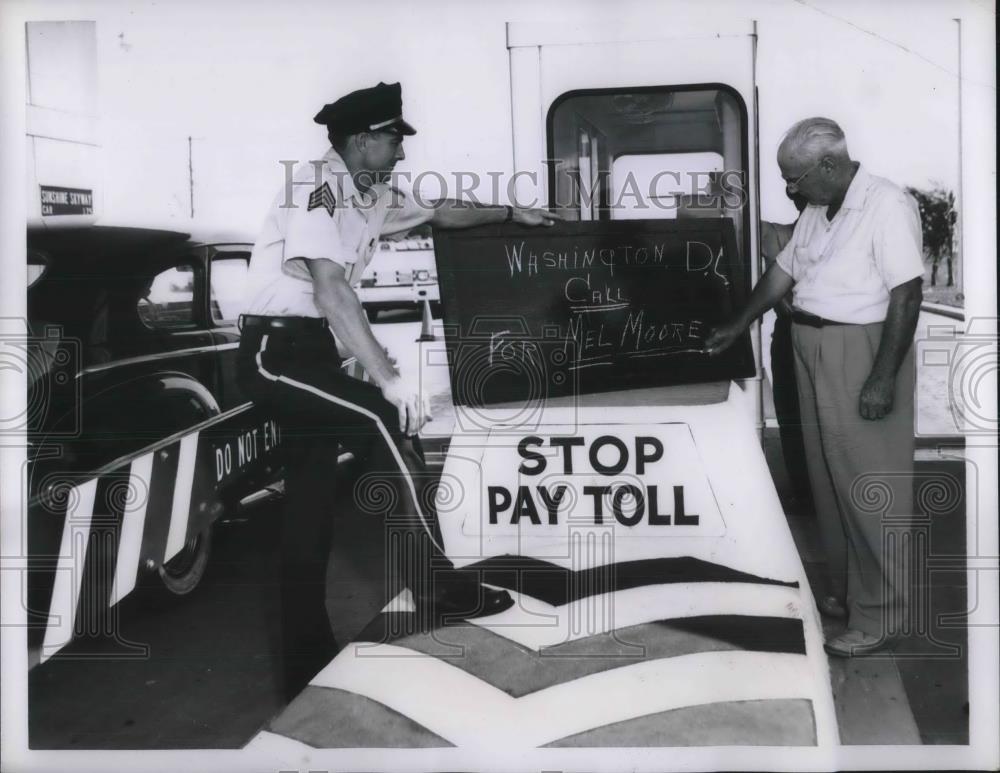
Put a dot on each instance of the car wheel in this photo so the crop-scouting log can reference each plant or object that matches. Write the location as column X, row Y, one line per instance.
column 181, row 574
column 436, row 309
column 372, row 314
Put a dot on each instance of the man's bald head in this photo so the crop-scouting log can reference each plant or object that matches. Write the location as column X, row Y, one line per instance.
column 809, row 140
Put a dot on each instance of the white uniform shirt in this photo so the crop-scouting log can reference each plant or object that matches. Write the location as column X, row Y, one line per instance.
column 844, row 268
column 325, row 219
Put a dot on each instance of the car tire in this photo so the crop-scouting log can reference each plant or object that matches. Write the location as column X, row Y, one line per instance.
column 184, row 572
column 436, row 309
column 372, row 314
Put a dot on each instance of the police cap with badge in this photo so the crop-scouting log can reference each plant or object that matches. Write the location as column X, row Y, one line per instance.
column 379, row 108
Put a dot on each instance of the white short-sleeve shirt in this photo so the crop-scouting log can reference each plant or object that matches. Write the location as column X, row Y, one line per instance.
column 844, row 268
column 322, row 216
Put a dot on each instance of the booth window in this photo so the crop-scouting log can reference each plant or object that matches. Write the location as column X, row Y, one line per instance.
column 653, row 152
column 38, row 264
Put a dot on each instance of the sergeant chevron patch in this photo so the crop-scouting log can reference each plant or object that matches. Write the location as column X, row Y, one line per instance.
column 322, row 197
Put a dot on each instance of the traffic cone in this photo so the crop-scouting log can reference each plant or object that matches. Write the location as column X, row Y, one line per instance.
column 426, row 329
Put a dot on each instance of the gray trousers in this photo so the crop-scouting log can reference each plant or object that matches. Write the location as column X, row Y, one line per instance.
column 861, row 471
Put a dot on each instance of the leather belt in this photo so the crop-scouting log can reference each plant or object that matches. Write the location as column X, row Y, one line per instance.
column 293, row 324
column 805, row 318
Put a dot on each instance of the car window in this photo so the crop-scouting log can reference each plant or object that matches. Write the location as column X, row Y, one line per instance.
column 169, row 300
column 228, row 285
column 37, row 265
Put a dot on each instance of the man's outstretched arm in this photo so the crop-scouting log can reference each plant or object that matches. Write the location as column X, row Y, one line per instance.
column 771, row 288
column 449, row 213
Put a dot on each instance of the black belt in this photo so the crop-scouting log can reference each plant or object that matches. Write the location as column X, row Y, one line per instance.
column 292, row 324
column 805, row 318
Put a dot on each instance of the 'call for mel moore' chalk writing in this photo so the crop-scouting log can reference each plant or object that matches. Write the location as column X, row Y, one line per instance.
column 602, row 340
column 631, row 333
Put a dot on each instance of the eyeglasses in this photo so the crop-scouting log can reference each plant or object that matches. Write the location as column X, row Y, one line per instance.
column 794, row 185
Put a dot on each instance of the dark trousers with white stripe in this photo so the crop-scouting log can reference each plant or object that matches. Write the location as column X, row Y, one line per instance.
column 297, row 376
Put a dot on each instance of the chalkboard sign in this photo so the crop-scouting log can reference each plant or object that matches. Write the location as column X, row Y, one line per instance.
column 532, row 313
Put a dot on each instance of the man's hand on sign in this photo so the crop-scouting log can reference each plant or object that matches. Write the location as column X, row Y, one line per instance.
column 876, row 397
column 721, row 338
column 414, row 407
column 536, row 216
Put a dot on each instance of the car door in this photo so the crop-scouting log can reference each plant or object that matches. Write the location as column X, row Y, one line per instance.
column 152, row 370
column 228, row 266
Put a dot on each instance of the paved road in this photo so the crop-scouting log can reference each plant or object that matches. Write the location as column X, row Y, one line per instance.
column 209, row 679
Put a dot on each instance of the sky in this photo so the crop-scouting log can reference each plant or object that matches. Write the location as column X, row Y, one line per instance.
column 243, row 81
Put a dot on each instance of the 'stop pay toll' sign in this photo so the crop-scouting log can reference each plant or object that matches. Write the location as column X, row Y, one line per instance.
column 640, row 481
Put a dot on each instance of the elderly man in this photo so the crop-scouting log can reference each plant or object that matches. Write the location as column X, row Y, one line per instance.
column 855, row 263
column 320, row 234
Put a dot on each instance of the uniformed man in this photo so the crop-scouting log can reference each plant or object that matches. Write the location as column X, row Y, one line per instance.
column 855, row 266
column 320, row 234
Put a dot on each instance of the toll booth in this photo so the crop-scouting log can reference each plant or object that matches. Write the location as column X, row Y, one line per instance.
column 601, row 467
column 621, row 121
column 604, row 470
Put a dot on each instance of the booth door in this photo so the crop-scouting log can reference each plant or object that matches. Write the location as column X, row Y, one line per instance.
column 640, row 120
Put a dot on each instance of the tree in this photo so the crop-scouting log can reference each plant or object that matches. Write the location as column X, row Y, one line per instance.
column 937, row 219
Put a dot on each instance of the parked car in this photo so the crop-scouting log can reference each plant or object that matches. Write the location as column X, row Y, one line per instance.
column 131, row 353
column 402, row 274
